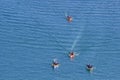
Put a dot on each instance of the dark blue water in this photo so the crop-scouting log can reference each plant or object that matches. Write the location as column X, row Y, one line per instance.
column 34, row 32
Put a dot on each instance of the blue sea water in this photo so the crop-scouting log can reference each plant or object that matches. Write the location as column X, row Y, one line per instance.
column 34, row 32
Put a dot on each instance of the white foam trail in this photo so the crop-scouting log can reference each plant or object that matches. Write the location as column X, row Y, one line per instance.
column 77, row 54
column 75, row 42
column 77, row 38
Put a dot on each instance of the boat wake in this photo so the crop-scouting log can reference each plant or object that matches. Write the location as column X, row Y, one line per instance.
column 75, row 41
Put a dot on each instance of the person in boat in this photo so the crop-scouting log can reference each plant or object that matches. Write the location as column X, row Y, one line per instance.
column 71, row 55
column 55, row 63
column 89, row 66
column 69, row 18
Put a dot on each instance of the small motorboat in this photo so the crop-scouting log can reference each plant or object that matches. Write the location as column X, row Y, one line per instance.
column 89, row 67
column 69, row 19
